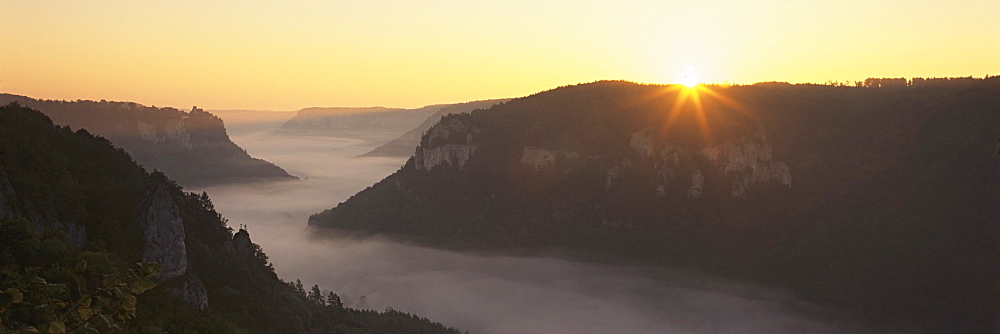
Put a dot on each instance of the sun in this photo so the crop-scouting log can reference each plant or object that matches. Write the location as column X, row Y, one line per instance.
column 690, row 79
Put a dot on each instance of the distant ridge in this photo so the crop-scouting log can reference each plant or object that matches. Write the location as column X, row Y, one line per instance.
column 372, row 124
column 190, row 147
column 403, row 145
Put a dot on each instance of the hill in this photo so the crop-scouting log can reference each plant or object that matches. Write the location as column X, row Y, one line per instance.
column 190, row 147
column 76, row 216
column 877, row 201
column 373, row 124
column 245, row 122
column 403, row 145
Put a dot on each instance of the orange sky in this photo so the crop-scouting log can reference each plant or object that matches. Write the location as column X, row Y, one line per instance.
column 287, row 55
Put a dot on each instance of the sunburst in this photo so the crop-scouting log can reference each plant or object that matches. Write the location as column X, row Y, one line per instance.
column 689, row 99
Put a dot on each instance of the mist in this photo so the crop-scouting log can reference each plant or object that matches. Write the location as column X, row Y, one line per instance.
column 474, row 292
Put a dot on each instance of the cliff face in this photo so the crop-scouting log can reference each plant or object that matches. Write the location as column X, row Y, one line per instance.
column 191, row 290
column 163, row 231
column 190, row 147
column 844, row 195
column 168, row 131
column 450, row 142
column 743, row 162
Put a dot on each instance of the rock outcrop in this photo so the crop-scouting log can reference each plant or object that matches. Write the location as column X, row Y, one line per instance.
column 750, row 161
column 191, row 291
column 168, row 130
column 452, row 154
column 541, row 158
column 697, row 185
column 745, row 161
column 450, row 142
column 163, row 232
column 613, row 173
column 242, row 245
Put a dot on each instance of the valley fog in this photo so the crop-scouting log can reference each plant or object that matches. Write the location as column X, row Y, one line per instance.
column 479, row 294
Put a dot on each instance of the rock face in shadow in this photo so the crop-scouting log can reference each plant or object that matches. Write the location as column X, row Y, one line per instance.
column 242, row 245
column 744, row 161
column 189, row 147
column 191, row 291
column 163, row 232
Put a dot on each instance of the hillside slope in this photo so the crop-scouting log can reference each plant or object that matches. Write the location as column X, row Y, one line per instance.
column 76, row 213
column 881, row 202
column 190, row 147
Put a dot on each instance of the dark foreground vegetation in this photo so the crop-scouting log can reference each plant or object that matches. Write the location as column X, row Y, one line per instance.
column 71, row 237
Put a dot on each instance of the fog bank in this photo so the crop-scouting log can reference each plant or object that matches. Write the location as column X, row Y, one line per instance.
column 480, row 294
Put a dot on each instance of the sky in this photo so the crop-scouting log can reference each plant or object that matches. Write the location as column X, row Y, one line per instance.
column 287, row 55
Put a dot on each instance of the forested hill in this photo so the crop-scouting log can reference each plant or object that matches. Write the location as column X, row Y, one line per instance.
column 880, row 202
column 403, row 145
column 190, row 147
column 77, row 214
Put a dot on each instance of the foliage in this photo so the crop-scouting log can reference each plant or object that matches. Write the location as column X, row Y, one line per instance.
column 52, row 308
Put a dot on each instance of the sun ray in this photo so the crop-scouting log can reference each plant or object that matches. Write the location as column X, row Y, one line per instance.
column 675, row 111
column 716, row 96
column 706, row 129
column 701, row 103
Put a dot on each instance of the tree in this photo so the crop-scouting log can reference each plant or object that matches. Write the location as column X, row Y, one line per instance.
column 316, row 296
column 299, row 288
column 334, row 300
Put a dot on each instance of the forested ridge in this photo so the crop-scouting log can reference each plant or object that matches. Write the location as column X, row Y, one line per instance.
column 70, row 241
column 878, row 201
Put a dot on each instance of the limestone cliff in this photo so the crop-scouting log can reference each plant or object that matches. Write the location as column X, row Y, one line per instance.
column 163, row 232
column 455, row 155
column 541, row 158
column 745, row 161
column 449, row 142
column 168, row 130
